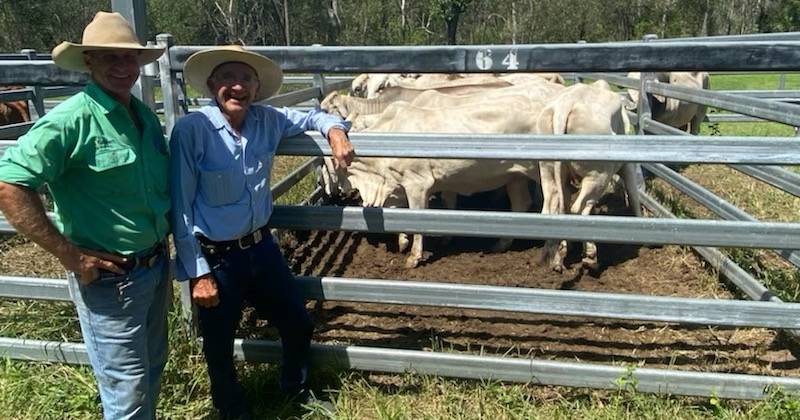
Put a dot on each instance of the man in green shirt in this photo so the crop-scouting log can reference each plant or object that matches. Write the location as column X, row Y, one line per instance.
column 104, row 159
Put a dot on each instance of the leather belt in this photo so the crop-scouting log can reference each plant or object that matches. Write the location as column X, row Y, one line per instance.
column 148, row 258
column 246, row 241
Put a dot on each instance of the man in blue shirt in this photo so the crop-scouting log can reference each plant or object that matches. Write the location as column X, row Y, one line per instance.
column 221, row 157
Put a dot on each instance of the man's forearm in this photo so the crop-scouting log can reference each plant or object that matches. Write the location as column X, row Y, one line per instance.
column 24, row 210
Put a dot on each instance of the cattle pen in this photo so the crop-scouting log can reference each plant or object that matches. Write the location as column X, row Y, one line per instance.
column 757, row 157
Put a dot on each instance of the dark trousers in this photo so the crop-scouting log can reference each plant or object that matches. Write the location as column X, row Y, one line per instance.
column 258, row 275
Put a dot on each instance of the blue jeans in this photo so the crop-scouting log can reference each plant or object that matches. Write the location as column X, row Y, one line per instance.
column 124, row 324
column 260, row 276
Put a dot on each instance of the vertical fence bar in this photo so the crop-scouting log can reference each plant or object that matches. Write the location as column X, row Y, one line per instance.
column 38, row 97
column 168, row 87
column 149, row 73
column 135, row 12
column 169, row 93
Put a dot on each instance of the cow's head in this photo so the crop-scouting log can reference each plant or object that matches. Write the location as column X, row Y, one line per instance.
column 358, row 87
column 334, row 104
column 364, row 176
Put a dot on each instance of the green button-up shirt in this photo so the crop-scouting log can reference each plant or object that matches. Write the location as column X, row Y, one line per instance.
column 109, row 182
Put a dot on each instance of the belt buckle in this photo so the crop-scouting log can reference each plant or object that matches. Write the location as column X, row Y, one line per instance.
column 150, row 261
column 256, row 239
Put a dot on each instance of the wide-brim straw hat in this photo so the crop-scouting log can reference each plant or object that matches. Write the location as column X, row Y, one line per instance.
column 107, row 31
column 198, row 68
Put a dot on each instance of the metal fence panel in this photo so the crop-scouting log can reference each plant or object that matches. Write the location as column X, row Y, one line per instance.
column 679, row 149
column 529, row 371
column 774, row 111
column 712, row 202
column 755, row 56
column 42, row 73
column 608, row 229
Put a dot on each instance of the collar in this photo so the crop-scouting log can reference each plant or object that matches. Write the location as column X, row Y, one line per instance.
column 109, row 104
column 100, row 97
column 218, row 120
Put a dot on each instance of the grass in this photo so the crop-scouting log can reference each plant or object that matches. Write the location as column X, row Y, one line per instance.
column 35, row 390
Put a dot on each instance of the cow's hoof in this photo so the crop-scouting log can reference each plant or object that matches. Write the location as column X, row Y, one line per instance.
column 412, row 262
column 403, row 242
column 558, row 267
column 590, row 264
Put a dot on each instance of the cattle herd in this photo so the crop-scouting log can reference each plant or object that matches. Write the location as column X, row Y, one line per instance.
column 494, row 104
column 518, row 103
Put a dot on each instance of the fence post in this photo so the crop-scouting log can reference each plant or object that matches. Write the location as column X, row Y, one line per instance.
column 319, row 82
column 643, row 112
column 171, row 113
column 168, row 87
column 38, row 96
column 149, row 73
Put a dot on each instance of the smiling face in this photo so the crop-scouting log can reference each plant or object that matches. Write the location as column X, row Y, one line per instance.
column 115, row 71
column 234, row 86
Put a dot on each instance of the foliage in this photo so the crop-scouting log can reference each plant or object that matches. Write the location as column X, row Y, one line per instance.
column 41, row 24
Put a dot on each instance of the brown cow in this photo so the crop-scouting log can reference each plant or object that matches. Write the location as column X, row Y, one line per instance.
column 14, row 111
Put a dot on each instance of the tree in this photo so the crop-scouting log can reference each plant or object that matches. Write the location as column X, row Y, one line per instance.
column 450, row 11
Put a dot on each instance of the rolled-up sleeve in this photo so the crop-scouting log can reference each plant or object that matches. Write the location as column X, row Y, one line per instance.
column 183, row 189
column 38, row 157
column 296, row 122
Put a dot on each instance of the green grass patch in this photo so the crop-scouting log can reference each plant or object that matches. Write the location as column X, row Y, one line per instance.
column 754, row 81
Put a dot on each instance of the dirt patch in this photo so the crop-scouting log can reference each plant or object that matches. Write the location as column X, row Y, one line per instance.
column 660, row 271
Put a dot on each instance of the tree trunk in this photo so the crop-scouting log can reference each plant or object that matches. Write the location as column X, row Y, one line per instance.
column 286, row 21
column 704, row 30
column 513, row 22
column 334, row 23
column 452, row 24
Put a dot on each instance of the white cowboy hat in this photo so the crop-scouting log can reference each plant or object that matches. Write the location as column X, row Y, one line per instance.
column 107, row 31
column 198, row 68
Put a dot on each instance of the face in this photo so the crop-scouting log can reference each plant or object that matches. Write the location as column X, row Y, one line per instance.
column 234, row 85
column 115, row 71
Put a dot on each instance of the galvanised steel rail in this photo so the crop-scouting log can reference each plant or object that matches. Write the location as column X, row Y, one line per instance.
column 777, row 177
column 43, row 351
column 655, row 127
column 522, row 370
column 726, row 267
column 601, row 57
column 294, row 177
column 20, row 56
column 528, row 370
column 734, row 313
column 630, row 307
column 712, row 202
column 678, row 149
column 16, row 95
column 13, row 131
column 771, row 110
column 609, row 229
column 718, row 118
column 780, row 36
column 775, row 95
column 40, row 73
column 34, row 288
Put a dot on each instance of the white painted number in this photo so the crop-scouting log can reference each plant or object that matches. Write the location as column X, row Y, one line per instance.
column 484, row 59
column 510, row 61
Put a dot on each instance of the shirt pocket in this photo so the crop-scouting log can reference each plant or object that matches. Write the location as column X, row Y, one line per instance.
column 222, row 187
column 113, row 167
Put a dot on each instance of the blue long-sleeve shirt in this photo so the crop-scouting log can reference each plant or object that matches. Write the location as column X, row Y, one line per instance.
column 220, row 181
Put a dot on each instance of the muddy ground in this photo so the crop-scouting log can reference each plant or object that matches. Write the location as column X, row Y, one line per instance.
column 662, row 271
